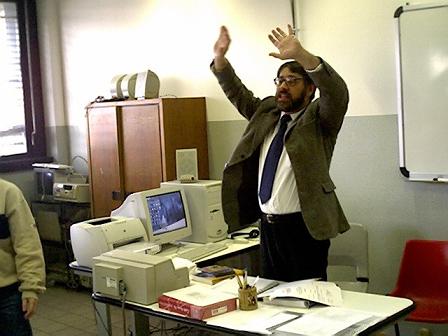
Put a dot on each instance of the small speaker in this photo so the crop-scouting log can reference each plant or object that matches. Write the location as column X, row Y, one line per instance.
column 128, row 85
column 147, row 85
column 187, row 163
column 115, row 86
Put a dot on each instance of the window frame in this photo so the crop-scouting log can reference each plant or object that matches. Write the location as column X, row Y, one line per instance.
column 32, row 91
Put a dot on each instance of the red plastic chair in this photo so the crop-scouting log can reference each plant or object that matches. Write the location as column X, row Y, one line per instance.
column 423, row 278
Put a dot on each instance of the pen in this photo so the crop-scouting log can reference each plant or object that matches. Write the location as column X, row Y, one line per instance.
column 440, row 179
column 239, row 280
column 255, row 281
column 245, row 278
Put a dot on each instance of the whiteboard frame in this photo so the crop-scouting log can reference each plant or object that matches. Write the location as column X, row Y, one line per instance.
column 410, row 175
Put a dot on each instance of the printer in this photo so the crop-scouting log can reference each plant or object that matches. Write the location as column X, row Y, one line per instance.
column 140, row 277
column 93, row 237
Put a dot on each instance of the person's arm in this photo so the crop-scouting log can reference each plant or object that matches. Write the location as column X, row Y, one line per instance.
column 29, row 259
column 241, row 97
column 333, row 90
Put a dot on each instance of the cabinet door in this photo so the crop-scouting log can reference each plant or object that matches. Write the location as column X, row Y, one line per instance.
column 104, row 160
column 140, row 134
column 184, row 127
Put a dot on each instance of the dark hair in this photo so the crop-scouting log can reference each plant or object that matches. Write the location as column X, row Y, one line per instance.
column 297, row 68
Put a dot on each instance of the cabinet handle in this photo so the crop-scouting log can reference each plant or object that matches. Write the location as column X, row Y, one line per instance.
column 116, row 195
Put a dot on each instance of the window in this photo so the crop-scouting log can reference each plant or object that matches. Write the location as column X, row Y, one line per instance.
column 22, row 130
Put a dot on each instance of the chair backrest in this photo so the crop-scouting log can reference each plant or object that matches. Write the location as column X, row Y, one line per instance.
column 424, row 268
column 348, row 263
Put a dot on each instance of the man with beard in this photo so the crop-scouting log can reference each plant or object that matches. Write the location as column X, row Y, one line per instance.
column 279, row 171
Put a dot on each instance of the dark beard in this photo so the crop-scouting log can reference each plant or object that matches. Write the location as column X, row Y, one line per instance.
column 293, row 105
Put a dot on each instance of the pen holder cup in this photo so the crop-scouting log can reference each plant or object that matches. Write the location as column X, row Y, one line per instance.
column 248, row 298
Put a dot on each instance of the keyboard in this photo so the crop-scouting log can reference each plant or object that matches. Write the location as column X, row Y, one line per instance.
column 202, row 251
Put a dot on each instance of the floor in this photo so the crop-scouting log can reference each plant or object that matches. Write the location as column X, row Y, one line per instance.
column 66, row 312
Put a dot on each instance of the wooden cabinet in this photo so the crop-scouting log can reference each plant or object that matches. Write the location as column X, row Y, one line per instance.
column 132, row 145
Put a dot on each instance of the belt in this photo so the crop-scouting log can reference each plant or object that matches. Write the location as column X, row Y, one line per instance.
column 273, row 219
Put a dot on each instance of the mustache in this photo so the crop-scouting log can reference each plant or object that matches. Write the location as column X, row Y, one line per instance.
column 283, row 92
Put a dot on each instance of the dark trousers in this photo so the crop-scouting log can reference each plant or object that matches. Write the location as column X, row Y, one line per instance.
column 288, row 252
column 12, row 320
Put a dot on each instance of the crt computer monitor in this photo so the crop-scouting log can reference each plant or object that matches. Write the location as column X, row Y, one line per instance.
column 163, row 212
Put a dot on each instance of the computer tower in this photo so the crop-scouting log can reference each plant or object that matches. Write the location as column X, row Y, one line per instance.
column 204, row 204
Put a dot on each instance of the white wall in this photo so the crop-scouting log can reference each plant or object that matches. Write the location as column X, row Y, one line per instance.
column 357, row 37
column 173, row 38
column 86, row 42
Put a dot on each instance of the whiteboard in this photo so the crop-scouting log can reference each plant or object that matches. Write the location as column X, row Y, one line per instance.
column 422, row 82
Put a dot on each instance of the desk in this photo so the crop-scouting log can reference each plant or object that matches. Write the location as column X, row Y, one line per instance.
column 140, row 321
column 391, row 309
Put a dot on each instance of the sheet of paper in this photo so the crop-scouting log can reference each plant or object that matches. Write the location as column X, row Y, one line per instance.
column 229, row 286
column 324, row 322
column 257, row 321
column 199, row 294
column 319, row 291
column 356, row 328
column 285, row 285
column 265, row 324
column 181, row 262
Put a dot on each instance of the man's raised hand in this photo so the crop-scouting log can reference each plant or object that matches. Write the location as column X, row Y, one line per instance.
column 222, row 43
column 289, row 47
column 287, row 44
column 220, row 48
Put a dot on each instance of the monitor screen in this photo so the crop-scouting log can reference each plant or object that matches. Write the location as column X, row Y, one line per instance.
column 162, row 211
column 166, row 212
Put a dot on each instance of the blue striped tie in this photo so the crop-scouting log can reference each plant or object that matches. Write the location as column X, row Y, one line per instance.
column 271, row 161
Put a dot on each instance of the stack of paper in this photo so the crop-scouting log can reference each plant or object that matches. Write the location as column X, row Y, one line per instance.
column 310, row 290
column 330, row 321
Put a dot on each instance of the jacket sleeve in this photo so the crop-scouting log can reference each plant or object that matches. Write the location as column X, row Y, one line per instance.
column 29, row 258
column 238, row 94
column 334, row 97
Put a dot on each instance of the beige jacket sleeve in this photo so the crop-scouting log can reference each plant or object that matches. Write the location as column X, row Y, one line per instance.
column 29, row 260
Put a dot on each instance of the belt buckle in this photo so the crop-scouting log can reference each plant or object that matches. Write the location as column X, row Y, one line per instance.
column 270, row 218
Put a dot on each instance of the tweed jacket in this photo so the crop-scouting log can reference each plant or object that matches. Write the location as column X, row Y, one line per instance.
column 309, row 144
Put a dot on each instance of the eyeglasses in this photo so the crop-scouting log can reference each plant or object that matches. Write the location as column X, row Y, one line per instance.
column 290, row 80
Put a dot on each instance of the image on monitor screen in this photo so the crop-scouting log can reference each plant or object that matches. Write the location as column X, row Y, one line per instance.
column 167, row 212
column 162, row 211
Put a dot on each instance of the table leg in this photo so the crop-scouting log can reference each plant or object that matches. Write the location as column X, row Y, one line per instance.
column 102, row 315
column 139, row 324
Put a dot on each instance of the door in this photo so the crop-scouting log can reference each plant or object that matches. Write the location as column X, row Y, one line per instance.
column 104, row 160
column 142, row 157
